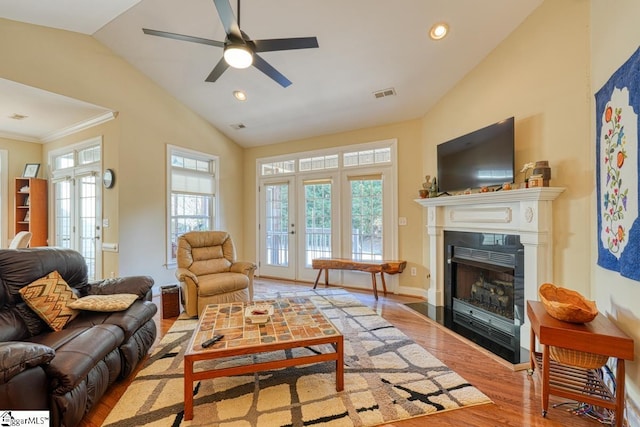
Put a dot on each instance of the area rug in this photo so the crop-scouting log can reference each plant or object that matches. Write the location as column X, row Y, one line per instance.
column 388, row 377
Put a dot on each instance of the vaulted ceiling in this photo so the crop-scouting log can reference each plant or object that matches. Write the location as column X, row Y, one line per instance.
column 364, row 47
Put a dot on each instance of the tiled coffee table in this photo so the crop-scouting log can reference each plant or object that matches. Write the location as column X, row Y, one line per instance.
column 296, row 322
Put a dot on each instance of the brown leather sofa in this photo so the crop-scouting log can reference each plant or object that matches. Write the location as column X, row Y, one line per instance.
column 67, row 372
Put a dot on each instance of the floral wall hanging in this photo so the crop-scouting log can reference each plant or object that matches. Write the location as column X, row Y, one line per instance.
column 617, row 124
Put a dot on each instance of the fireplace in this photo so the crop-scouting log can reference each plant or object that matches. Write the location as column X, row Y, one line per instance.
column 500, row 218
column 484, row 290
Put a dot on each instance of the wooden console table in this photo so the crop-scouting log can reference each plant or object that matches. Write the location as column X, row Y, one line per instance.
column 373, row 267
column 599, row 336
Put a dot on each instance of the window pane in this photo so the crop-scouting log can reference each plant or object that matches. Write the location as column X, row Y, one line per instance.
column 277, row 228
column 62, row 194
column 189, row 213
column 276, row 168
column 317, row 221
column 64, row 161
column 89, row 155
column 366, row 219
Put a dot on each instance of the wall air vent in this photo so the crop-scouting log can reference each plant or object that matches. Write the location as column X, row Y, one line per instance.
column 238, row 126
column 385, row 92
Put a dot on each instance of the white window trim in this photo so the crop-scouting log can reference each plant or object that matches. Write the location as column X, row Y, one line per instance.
column 171, row 149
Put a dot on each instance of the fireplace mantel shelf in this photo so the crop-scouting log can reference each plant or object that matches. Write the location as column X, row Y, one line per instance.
column 508, row 196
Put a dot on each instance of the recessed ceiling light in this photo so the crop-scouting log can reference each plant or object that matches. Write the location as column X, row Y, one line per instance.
column 240, row 95
column 439, row 31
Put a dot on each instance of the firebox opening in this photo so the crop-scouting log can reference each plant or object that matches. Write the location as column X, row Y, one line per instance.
column 484, row 290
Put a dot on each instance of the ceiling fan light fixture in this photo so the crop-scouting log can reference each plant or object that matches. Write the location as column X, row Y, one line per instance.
column 439, row 31
column 238, row 56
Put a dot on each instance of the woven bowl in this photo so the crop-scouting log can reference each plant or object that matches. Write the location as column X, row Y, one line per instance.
column 567, row 305
column 581, row 359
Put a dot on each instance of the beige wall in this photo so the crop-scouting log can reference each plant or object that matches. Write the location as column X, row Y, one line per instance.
column 78, row 66
column 409, row 181
column 614, row 38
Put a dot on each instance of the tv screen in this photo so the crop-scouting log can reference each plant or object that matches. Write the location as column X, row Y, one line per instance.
column 482, row 158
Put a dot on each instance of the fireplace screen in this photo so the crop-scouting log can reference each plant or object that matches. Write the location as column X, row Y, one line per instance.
column 484, row 289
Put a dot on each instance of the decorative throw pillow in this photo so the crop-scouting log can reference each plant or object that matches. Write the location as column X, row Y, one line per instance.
column 113, row 302
column 49, row 297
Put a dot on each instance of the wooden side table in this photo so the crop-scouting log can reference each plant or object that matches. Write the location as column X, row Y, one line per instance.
column 599, row 336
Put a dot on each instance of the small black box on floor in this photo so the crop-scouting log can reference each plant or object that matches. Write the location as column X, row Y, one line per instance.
column 170, row 301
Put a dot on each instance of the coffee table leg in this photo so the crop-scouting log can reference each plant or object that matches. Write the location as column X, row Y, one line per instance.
column 188, row 388
column 340, row 364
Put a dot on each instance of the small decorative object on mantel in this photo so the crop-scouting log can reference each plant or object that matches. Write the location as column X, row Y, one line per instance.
column 526, row 168
column 535, row 181
column 542, row 168
column 429, row 188
column 433, row 188
column 506, row 186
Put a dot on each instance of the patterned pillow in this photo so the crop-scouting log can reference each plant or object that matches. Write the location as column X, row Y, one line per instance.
column 113, row 302
column 48, row 298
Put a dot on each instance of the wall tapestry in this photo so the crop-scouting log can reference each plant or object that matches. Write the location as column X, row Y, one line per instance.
column 617, row 124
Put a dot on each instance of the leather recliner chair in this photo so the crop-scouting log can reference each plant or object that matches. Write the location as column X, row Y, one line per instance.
column 209, row 273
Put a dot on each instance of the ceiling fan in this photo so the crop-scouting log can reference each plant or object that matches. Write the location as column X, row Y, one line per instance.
column 239, row 50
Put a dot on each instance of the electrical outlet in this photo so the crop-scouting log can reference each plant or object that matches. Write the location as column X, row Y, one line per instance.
column 414, row 271
column 402, row 220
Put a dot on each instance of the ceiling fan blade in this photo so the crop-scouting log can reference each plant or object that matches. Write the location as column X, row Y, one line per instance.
column 182, row 37
column 228, row 19
column 264, row 66
column 220, row 68
column 270, row 45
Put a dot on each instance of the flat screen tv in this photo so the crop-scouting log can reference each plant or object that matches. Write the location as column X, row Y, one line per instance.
column 482, row 158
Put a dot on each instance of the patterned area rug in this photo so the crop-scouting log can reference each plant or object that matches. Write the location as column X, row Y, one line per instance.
column 388, row 377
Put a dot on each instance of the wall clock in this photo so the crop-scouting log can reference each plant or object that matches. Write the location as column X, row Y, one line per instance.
column 108, row 178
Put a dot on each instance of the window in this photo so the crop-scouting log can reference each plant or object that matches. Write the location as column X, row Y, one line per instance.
column 191, row 185
column 366, row 217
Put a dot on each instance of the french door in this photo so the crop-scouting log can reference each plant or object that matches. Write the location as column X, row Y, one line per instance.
column 76, row 191
column 77, row 220
column 301, row 220
column 277, row 229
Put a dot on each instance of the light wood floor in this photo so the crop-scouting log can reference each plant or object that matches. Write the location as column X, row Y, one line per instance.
column 515, row 394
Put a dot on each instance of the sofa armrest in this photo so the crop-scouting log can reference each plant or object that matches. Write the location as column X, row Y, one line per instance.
column 244, row 267
column 182, row 273
column 19, row 356
column 139, row 285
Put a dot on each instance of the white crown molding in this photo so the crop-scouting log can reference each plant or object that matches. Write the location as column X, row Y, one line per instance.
column 18, row 137
column 102, row 118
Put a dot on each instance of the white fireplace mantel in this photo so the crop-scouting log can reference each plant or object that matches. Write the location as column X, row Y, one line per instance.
column 524, row 212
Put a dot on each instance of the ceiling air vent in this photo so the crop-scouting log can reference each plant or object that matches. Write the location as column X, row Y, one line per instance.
column 385, row 92
column 16, row 116
column 238, row 126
